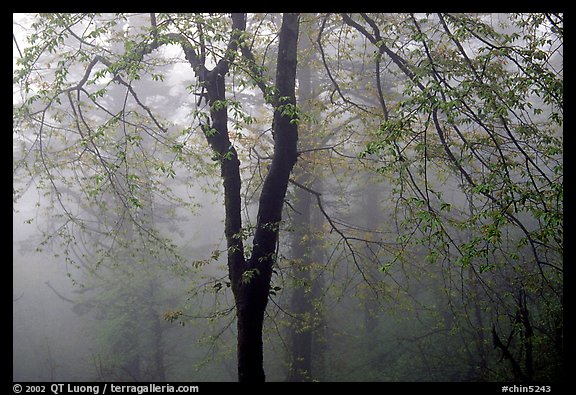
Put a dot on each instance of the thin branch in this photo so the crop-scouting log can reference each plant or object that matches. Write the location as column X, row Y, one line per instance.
column 327, row 68
column 335, row 228
column 64, row 298
column 17, row 46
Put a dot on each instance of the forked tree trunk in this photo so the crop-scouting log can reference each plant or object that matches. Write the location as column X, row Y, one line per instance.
column 250, row 279
column 253, row 290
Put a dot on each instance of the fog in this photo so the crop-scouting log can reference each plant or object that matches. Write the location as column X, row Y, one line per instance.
column 46, row 331
column 421, row 234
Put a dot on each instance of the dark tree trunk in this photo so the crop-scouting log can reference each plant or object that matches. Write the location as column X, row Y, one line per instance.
column 253, row 289
column 250, row 279
column 250, row 308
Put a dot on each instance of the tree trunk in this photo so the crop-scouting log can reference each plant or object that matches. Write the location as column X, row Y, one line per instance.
column 304, row 250
column 372, row 218
column 254, row 283
column 250, row 279
column 301, row 303
column 250, row 308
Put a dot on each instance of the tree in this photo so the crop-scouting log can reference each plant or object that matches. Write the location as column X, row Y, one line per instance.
column 55, row 101
column 305, row 252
